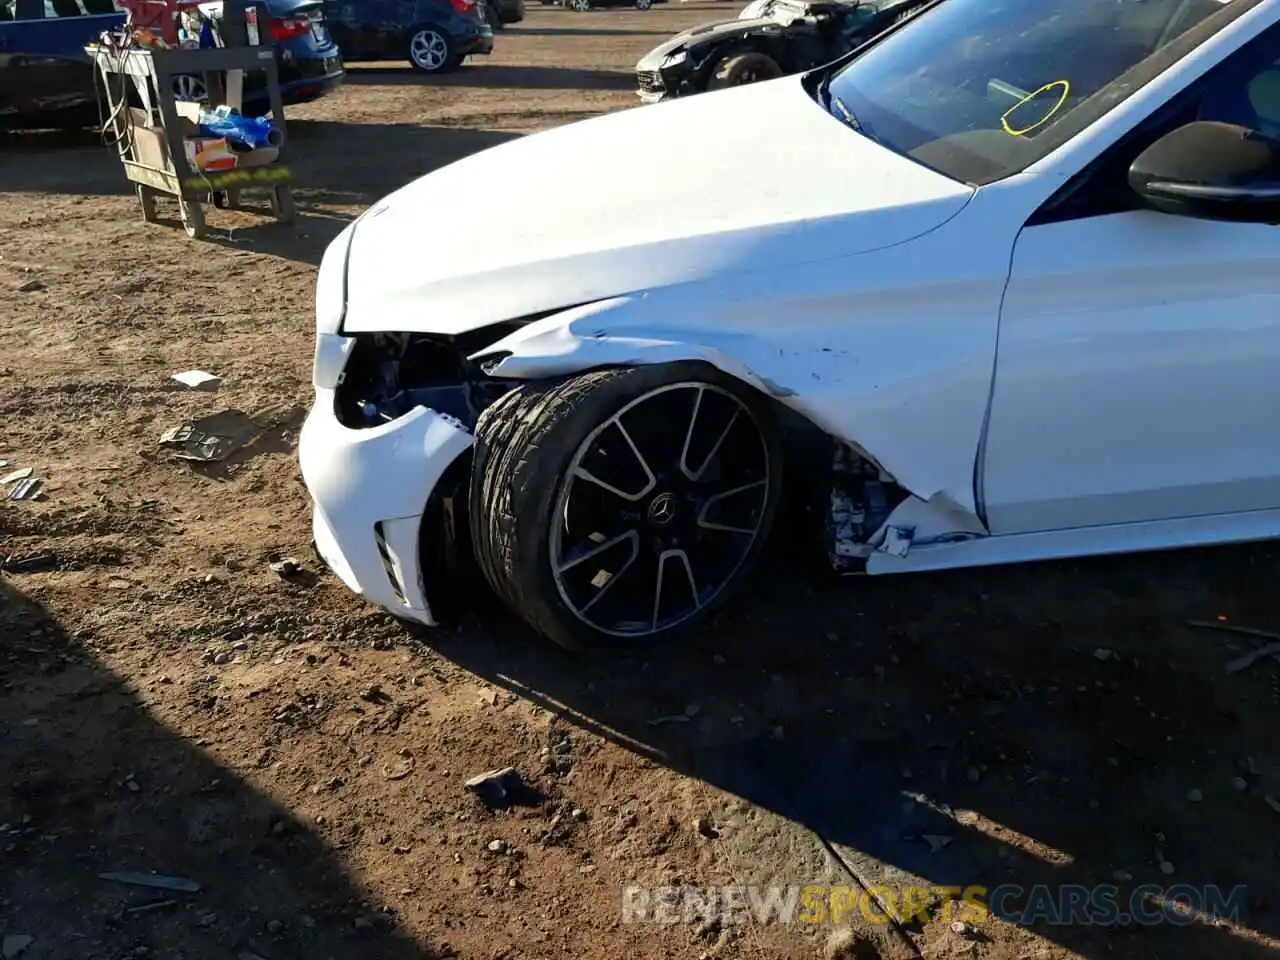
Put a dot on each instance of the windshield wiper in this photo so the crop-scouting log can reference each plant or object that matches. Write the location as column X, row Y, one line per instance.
column 837, row 107
column 845, row 113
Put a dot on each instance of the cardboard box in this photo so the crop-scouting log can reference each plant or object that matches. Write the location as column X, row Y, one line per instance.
column 149, row 145
column 209, row 153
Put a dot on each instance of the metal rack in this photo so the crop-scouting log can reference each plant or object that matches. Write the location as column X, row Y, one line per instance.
column 146, row 73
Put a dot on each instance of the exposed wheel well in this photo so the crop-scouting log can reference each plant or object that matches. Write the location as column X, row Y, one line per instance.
column 818, row 471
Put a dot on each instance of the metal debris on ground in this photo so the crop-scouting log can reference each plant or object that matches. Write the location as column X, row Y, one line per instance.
column 962, row 929
column 16, row 475
column 197, row 379
column 286, row 567
column 151, row 907
column 31, row 286
column 1249, row 659
column 155, row 880
column 495, row 786
column 691, row 711
column 211, row 438
column 28, row 489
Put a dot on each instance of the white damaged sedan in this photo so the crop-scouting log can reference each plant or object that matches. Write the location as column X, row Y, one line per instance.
column 1002, row 285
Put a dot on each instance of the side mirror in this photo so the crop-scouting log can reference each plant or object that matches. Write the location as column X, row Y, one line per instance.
column 1213, row 171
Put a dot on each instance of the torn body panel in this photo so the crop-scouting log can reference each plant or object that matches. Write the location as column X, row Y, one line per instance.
column 886, row 369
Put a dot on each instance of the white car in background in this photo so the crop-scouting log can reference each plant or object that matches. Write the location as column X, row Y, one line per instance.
column 1002, row 286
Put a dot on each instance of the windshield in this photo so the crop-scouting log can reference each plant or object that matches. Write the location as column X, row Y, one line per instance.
column 980, row 89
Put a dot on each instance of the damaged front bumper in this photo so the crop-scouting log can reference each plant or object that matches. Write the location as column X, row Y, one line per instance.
column 371, row 488
column 660, row 80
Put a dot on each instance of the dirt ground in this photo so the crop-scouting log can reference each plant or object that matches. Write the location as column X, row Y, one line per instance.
column 170, row 704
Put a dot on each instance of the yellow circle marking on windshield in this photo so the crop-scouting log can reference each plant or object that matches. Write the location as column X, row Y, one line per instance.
column 1004, row 118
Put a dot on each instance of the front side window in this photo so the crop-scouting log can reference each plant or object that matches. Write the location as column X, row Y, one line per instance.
column 980, row 89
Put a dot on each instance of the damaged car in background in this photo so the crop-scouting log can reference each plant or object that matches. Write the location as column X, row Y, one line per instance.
column 768, row 39
column 1020, row 304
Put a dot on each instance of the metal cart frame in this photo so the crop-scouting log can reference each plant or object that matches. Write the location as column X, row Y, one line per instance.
column 150, row 72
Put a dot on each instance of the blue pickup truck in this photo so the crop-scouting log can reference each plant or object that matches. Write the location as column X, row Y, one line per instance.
column 46, row 80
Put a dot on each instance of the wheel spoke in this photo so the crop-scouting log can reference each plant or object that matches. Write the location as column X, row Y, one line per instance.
column 583, row 474
column 715, row 447
column 706, row 524
column 599, row 548
column 650, row 479
column 662, row 575
column 613, row 580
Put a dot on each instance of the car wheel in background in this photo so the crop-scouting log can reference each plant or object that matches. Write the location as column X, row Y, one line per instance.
column 625, row 505
column 581, row 6
column 493, row 17
column 743, row 68
column 644, row 4
column 190, row 89
column 431, row 51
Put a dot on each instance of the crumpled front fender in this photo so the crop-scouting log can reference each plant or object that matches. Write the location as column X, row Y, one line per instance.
column 576, row 340
column 633, row 330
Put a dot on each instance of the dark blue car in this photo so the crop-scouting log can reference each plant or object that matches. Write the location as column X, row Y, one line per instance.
column 46, row 78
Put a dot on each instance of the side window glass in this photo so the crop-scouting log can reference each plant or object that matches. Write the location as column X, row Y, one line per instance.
column 7, row 10
column 1244, row 91
column 99, row 7
column 1248, row 96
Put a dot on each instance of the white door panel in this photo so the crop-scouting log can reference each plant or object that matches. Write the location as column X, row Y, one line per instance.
column 1138, row 373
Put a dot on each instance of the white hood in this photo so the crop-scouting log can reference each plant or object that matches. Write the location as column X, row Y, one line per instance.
column 746, row 180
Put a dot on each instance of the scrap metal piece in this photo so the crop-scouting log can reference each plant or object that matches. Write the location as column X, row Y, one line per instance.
column 897, row 540
column 16, row 475
column 28, row 489
column 198, row 379
column 211, row 438
column 156, row 880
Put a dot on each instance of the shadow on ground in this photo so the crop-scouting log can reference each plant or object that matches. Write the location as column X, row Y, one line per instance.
column 484, row 75
column 334, row 164
column 94, row 783
column 524, row 31
column 339, row 169
column 339, row 166
column 976, row 708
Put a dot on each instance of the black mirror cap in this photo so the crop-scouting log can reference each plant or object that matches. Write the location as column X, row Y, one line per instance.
column 1209, row 169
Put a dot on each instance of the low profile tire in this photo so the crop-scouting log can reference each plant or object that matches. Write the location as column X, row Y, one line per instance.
column 623, row 506
column 734, row 71
column 431, row 50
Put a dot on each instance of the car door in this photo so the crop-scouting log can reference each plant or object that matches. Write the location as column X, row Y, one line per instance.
column 67, row 25
column 21, row 25
column 357, row 26
column 1136, row 376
